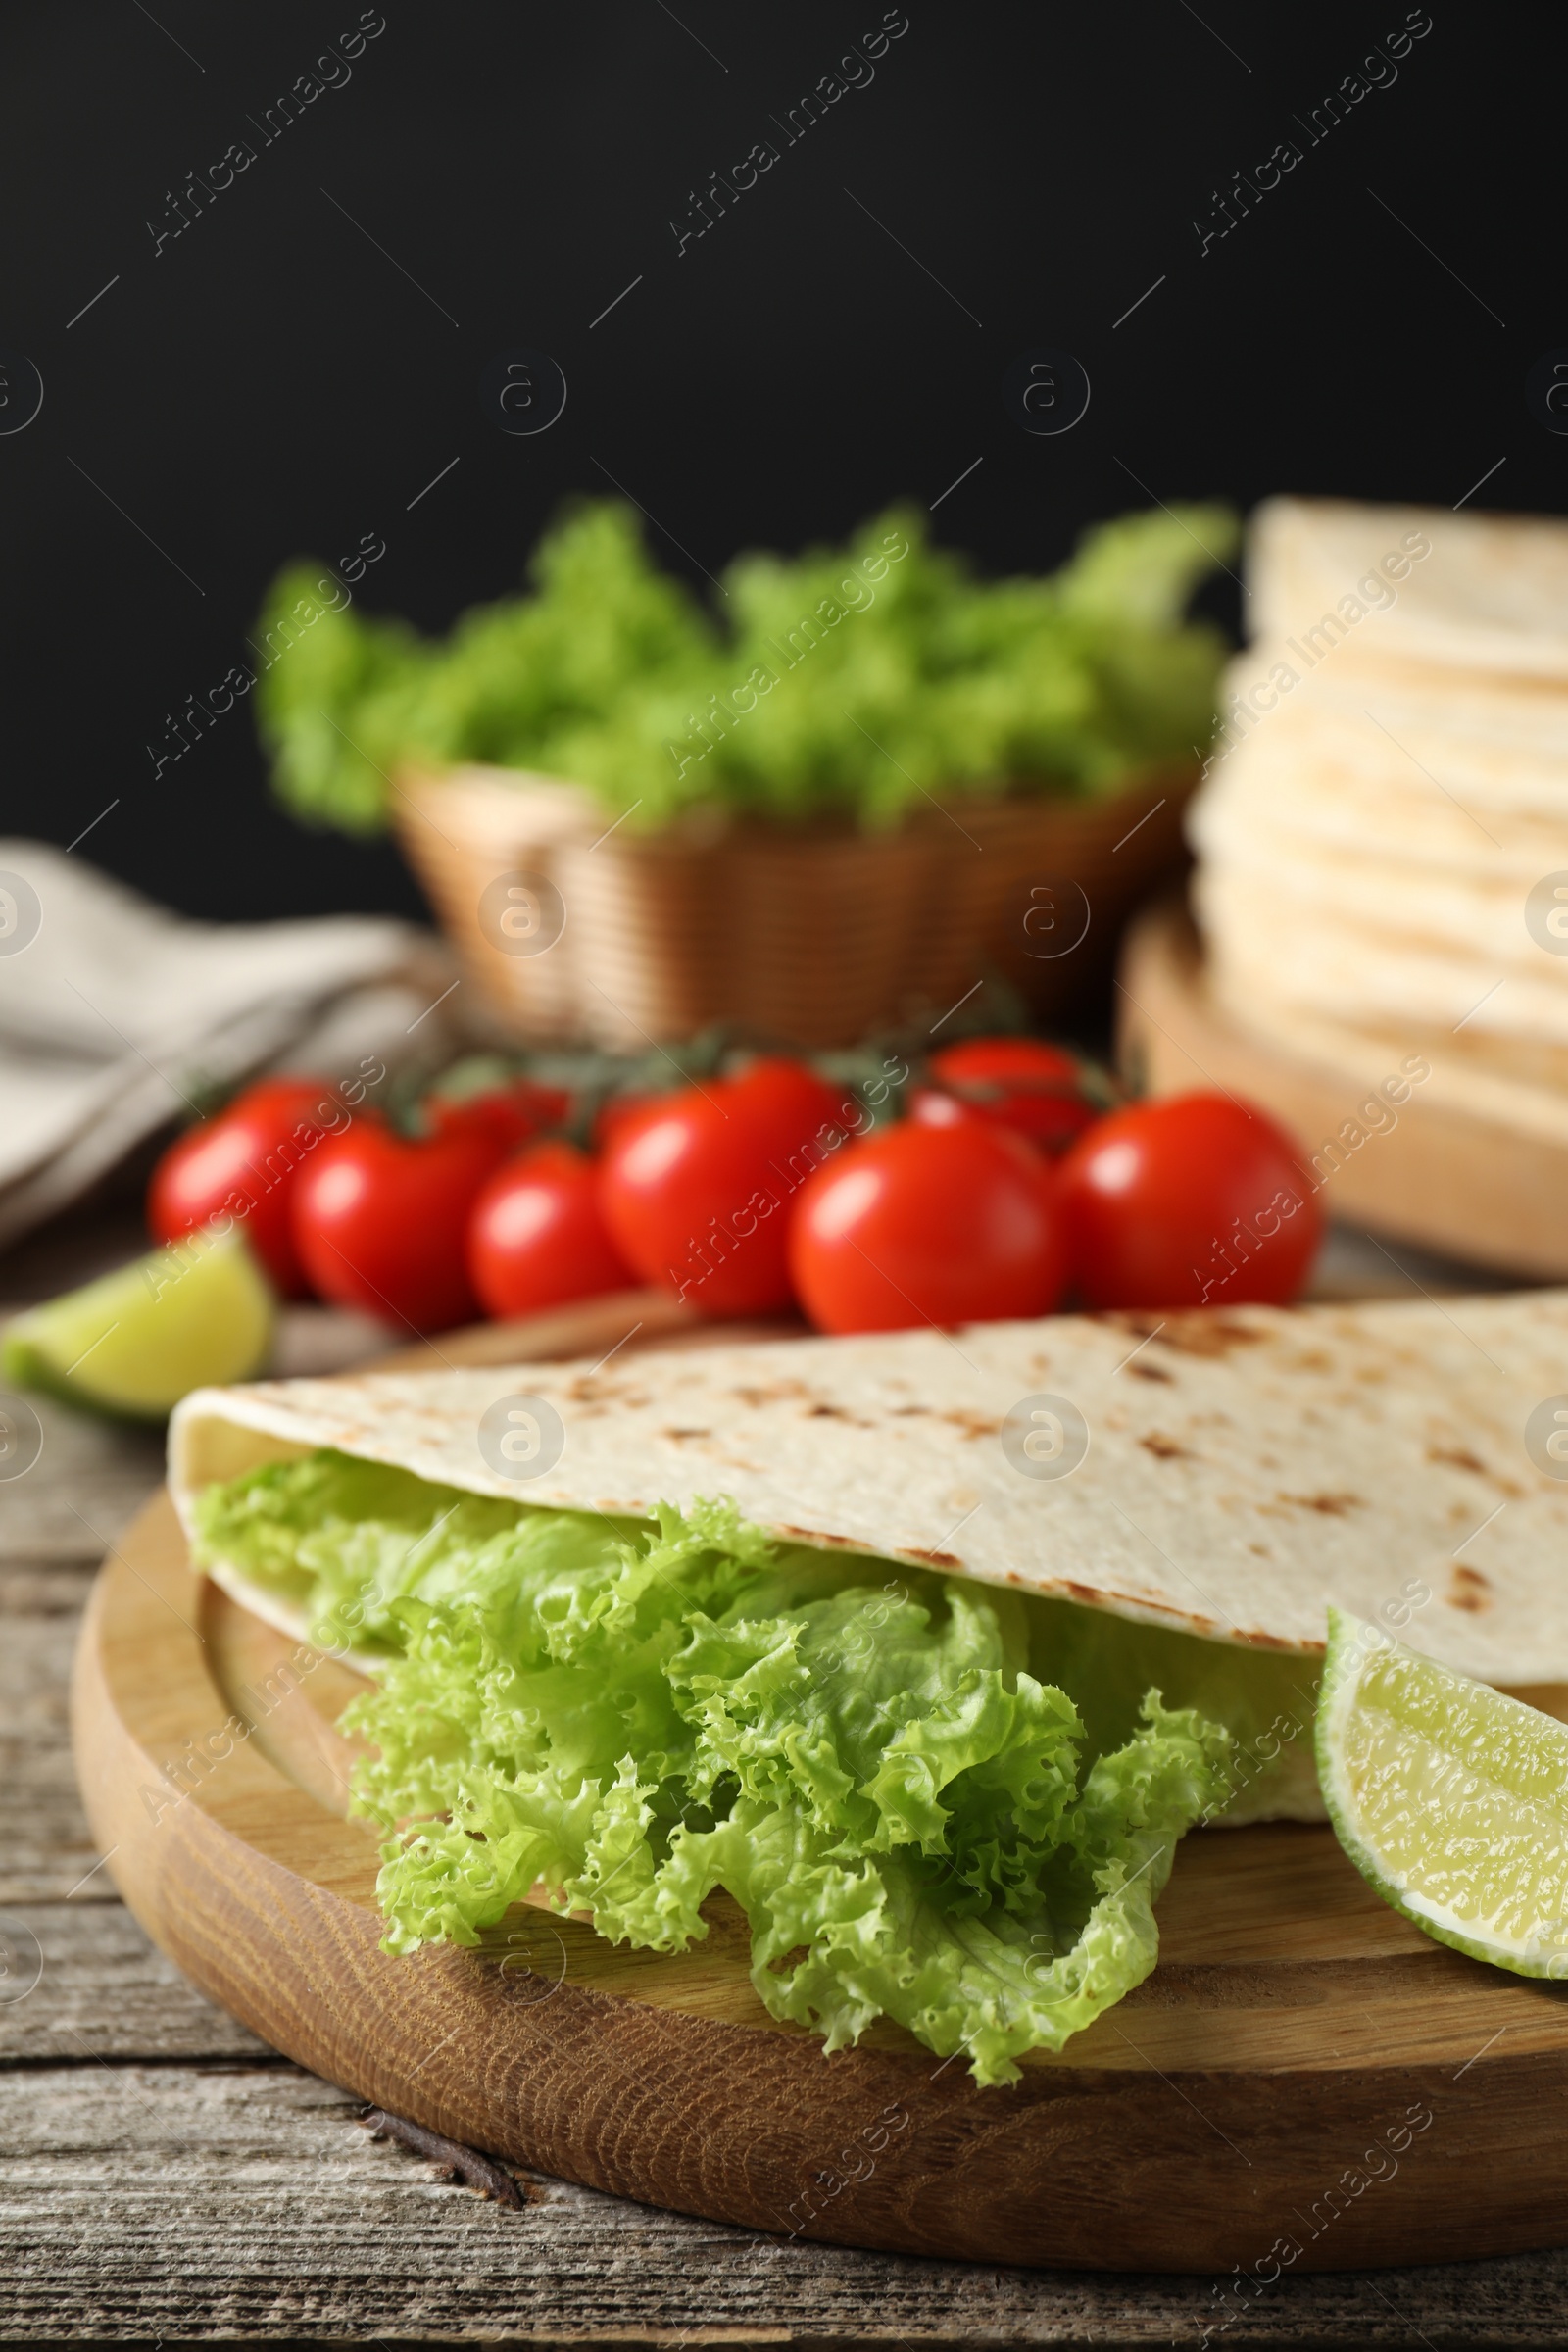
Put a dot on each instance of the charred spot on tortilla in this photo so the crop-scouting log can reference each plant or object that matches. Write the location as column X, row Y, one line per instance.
column 1197, row 1331
column 1149, row 1372
column 678, row 1436
column 777, row 1392
column 1119, row 1318
column 1498, row 1480
column 1469, row 1590
column 596, row 1395
column 1108, row 1601
column 972, row 1424
column 932, row 1559
column 1164, row 1448
column 1459, row 1458
column 1332, row 1506
column 823, row 1543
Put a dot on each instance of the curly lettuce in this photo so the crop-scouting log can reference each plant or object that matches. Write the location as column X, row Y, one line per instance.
column 851, row 682
column 633, row 1716
column 347, row 698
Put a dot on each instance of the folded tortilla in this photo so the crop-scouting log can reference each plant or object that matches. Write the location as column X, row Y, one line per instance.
column 1244, row 1467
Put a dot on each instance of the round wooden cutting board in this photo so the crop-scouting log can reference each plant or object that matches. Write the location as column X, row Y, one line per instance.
column 1306, row 2082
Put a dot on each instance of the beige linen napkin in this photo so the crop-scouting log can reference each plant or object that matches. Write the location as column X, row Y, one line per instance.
column 114, row 1014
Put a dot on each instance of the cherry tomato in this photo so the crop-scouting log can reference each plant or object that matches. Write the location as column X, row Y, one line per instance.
column 928, row 1107
column 617, row 1111
column 1192, row 1201
column 1039, row 1091
column 380, row 1219
column 696, row 1188
column 242, row 1164
column 536, row 1235
column 954, row 1223
column 516, row 1113
column 784, row 1101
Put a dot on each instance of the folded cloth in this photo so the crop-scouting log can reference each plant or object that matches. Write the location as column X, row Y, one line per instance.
column 115, row 1015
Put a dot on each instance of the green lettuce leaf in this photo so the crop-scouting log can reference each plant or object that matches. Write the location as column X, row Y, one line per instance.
column 1140, row 571
column 851, row 683
column 916, row 1823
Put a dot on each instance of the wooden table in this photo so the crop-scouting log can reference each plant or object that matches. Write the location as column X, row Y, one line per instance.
column 165, row 2176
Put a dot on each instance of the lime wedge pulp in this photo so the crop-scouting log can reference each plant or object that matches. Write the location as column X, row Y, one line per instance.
column 1450, row 1798
column 136, row 1340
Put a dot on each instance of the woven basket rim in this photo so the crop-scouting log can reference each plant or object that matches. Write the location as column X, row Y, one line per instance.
column 706, row 824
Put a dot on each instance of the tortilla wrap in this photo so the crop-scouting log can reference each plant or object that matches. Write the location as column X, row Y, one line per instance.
column 1244, row 1468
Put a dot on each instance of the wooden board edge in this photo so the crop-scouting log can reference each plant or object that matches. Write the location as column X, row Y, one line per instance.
column 645, row 1318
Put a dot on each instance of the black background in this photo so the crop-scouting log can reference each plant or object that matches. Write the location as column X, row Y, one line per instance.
column 271, row 382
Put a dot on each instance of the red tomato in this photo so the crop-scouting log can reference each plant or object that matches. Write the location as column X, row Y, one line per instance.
column 785, row 1102
column 617, row 1111
column 992, row 1061
column 242, row 1164
column 536, row 1235
column 695, row 1189
column 513, row 1113
column 927, row 1224
column 380, row 1220
column 1037, row 1089
column 1192, row 1201
column 934, row 1107
column 928, row 1107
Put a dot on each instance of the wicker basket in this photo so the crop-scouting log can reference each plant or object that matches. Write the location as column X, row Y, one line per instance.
column 813, row 935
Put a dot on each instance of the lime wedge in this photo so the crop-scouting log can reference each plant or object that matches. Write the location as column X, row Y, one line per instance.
column 1449, row 1798
column 136, row 1340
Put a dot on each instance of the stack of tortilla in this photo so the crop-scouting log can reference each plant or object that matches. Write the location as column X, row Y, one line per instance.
column 1382, row 830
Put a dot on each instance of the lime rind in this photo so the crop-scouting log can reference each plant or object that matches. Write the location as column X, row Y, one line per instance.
column 1355, row 1649
column 25, row 1364
column 132, row 1342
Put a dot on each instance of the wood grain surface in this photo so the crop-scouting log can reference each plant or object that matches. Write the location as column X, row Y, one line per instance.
column 1306, row 2080
column 1463, row 1184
